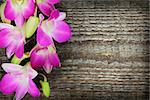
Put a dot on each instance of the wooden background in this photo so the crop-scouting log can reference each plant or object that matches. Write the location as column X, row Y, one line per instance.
column 108, row 55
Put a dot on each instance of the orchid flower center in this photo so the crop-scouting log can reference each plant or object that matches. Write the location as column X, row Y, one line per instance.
column 19, row 2
column 42, row 51
column 51, row 49
column 19, row 5
column 48, row 26
column 23, row 73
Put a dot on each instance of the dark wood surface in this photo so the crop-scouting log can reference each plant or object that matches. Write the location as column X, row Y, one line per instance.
column 108, row 55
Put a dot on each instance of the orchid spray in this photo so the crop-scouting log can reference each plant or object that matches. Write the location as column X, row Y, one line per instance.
column 21, row 22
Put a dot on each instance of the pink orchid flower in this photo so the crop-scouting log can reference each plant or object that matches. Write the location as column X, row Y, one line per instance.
column 55, row 28
column 12, row 38
column 19, row 79
column 19, row 10
column 45, row 57
column 46, row 6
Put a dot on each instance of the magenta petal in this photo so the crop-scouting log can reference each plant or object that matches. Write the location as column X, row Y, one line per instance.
column 36, row 60
column 9, row 12
column 62, row 32
column 10, row 50
column 4, row 42
column 45, row 8
column 47, row 66
column 54, row 14
column 6, row 26
column 22, row 88
column 42, row 38
column 54, row 59
column 11, row 68
column 32, row 73
column 62, row 16
column 32, row 89
column 19, row 20
column 8, row 84
column 29, row 9
column 53, row 1
column 4, row 32
column 20, row 50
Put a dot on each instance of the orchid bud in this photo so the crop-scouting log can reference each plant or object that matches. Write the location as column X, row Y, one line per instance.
column 45, row 88
column 5, row 20
column 31, row 26
column 16, row 60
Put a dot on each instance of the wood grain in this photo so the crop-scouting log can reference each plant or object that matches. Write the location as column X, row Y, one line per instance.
column 108, row 55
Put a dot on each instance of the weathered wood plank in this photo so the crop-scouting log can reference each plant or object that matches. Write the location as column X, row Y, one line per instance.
column 108, row 55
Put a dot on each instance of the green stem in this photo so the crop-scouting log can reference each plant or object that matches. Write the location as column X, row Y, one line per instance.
column 45, row 79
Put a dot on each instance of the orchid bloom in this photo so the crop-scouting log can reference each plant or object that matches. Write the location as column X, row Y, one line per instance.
column 19, row 10
column 45, row 57
column 19, row 79
column 13, row 39
column 55, row 28
column 46, row 6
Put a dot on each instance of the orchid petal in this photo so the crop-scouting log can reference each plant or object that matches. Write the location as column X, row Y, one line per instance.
column 19, row 20
column 22, row 88
column 4, row 42
column 34, row 1
column 8, row 67
column 4, row 32
column 36, row 60
column 62, row 16
column 29, row 9
column 20, row 50
column 3, row 18
column 45, row 8
column 54, row 59
column 10, row 50
column 47, row 66
column 32, row 73
column 53, row 1
column 4, row 25
column 42, row 38
column 32, row 89
column 62, row 32
column 8, row 84
column 9, row 11
column 54, row 14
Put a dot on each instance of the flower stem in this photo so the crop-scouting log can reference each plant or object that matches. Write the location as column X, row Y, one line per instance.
column 45, row 79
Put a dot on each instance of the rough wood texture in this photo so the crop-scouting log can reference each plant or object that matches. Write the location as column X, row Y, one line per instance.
column 108, row 55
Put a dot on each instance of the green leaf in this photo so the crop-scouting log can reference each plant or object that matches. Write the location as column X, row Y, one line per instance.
column 45, row 88
column 31, row 26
